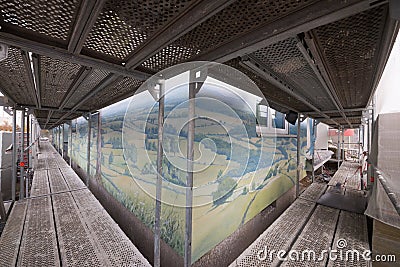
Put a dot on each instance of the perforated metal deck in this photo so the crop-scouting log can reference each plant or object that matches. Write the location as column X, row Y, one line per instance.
column 305, row 226
column 39, row 244
column 63, row 224
column 280, row 235
column 347, row 175
column 352, row 227
column 40, row 184
column 317, row 236
column 313, row 192
column 11, row 237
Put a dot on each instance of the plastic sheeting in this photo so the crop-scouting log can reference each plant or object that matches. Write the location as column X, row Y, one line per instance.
column 385, row 155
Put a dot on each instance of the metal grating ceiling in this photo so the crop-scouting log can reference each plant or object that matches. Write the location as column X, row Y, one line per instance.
column 169, row 56
column 124, row 25
column 113, row 92
column 95, row 77
column 56, row 78
column 14, row 78
column 276, row 98
column 49, row 17
column 285, row 61
column 350, row 49
column 233, row 21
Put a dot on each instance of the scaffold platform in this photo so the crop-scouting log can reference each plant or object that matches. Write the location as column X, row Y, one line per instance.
column 61, row 223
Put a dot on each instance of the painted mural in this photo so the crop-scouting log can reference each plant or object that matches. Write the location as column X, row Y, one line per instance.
column 238, row 173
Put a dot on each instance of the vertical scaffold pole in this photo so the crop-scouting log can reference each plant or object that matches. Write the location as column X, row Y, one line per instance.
column 14, row 154
column 59, row 139
column 160, row 151
column 189, row 183
column 62, row 140
column 21, row 158
column 70, row 144
column 298, row 157
column 343, row 154
column 313, row 154
column 338, row 149
column 88, row 149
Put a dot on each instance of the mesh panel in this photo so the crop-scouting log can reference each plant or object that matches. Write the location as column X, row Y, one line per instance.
column 76, row 245
column 317, row 235
column 117, row 247
column 40, row 183
column 52, row 18
column 11, row 236
column 384, row 155
column 119, row 88
column 352, row 227
column 72, row 179
column 57, row 182
column 88, row 84
column 346, row 172
column 124, row 25
column 350, row 48
column 313, row 192
column 169, row 56
column 56, row 78
column 280, row 235
column 238, row 18
column 39, row 245
column 270, row 91
column 285, row 61
column 14, row 77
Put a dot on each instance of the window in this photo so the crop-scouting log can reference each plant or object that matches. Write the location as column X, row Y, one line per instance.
column 278, row 119
column 262, row 115
column 270, row 121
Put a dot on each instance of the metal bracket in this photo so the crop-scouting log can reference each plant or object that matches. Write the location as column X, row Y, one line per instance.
column 9, row 110
column 86, row 116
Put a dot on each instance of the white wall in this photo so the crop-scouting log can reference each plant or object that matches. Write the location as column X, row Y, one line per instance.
column 321, row 142
column 388, row 91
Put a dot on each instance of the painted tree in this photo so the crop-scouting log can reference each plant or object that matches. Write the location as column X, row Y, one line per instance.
column 111, row 158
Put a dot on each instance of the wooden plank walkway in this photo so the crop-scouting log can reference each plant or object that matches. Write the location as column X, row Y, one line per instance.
column 63, row 224
column 306, row 225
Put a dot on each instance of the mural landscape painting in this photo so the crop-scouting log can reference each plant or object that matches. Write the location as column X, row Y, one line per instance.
column 237, row 172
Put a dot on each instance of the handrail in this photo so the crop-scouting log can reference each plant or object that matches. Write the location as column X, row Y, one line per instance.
column 31, row 144
column 388, row 191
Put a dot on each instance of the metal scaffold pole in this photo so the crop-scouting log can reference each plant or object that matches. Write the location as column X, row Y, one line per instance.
column 189, row 183
column 160, row 151
column 343, row 154
column 70, row 144
column 62, row 140
column 338, row 149
column 298, row 157
column 28, row 156
column 28, row 139
column 21, row 158
column 88, row 149
column 313, row 154
column 14, row 154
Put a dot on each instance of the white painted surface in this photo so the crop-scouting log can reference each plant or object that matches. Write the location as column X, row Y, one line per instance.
column 321, row 142
column 388, row 91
